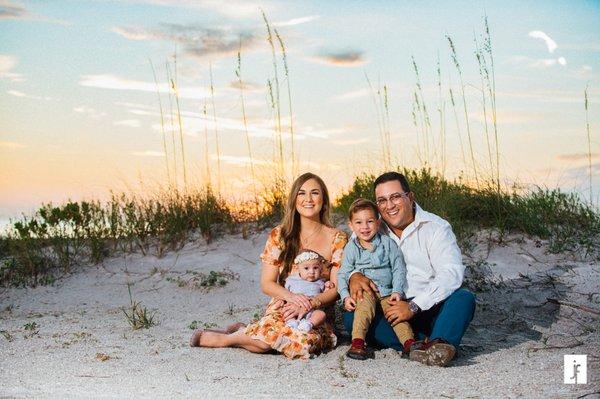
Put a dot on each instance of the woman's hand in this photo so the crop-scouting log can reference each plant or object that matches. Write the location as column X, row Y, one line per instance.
column 299, row 300
column 293, row 311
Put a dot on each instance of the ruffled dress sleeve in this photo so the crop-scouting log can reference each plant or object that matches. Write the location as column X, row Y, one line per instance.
column 273, row 248
column 337, row 248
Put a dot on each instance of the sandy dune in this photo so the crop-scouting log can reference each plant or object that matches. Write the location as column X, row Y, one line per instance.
column 81, row 345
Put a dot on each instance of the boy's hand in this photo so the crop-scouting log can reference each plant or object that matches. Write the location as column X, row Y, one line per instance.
column 395, row 297
column 349, row 304
column 329, row 285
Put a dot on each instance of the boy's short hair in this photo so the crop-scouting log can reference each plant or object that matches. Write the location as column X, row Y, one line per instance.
column 360, row 204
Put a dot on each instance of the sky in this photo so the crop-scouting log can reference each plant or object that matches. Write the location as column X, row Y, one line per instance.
column 98, row 96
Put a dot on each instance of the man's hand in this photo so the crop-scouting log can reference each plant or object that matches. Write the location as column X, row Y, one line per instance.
column 329, row 285
column 349, row 304
column 359, row 284
column 398, row 312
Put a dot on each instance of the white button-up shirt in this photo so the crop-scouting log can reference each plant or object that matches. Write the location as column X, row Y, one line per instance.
column 434, row 267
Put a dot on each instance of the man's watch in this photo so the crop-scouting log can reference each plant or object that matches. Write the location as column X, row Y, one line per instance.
column 414, row 307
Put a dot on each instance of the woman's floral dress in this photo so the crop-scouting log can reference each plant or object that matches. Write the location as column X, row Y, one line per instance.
column 271, row 328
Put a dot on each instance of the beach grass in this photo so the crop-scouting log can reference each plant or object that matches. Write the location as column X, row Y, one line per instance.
column 58, row 238
column 565, row 219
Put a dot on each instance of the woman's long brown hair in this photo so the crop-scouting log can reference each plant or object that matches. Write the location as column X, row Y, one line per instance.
column 290, row 225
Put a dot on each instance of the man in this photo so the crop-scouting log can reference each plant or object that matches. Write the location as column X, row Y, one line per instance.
column 438, row 311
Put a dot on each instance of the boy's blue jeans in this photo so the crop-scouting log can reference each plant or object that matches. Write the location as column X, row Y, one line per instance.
column 447, row 320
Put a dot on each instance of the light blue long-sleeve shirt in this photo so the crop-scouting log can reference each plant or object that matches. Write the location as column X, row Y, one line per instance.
column 384, row 265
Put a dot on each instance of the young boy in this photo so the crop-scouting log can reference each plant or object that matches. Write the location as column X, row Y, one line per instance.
column 378, row 258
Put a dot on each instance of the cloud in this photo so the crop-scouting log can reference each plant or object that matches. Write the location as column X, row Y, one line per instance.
column 197, row 41
column 349, row 58
column 248, row 86
column 351, row 95
column 534, row 63
column 88, row 111
column 509, row 117
column 134, row 105
column 575, row 157
column 17, row 93
column 235, row 9
column 582, row 46
column 7, row 64
column 11, row 145
column 129, row 123
column 538, row 34
column 9, row 10
column 548, row 96
column 240, row 161
column 297, row 21
column 349, row 142
column 117, row 83
column 148, row 153
column 12, row 11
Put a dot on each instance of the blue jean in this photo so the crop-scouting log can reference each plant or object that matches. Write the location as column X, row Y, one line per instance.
column 447, row 320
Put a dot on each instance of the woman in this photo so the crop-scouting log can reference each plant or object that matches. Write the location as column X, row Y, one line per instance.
column 305, row 225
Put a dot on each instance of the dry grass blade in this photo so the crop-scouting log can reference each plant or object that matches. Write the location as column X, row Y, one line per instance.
column 162, row 123
column 238, row 73
column 589, row 137
column 212, row 96
column 464, row 98
column 287, row 79
column 176, row 93
column 137, row 315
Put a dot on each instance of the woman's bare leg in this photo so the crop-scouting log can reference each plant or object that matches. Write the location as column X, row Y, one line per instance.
column 210, row 339
column 229, row 329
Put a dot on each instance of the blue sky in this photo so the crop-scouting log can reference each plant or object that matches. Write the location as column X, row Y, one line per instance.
column 80, row 115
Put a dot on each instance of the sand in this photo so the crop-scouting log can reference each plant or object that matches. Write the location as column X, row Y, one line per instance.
column 81, row 345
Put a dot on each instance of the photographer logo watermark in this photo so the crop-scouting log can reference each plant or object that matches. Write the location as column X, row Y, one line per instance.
column 575, row 369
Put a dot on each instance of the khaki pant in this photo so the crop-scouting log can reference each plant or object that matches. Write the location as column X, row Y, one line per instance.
column 365, row 312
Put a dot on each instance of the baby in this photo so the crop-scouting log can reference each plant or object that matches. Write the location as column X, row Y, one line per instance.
column 377, row 257
column 308, row 282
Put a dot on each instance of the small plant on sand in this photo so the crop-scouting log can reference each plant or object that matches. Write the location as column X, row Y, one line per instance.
column 32, row 326
column 137, row 315
column 231, row 309
column 342, row 368
column 196, row 323
column 205, row 281
column 7, row 335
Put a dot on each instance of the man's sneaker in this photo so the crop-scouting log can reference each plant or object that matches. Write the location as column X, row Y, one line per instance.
column 358, row 350
column 433, row 353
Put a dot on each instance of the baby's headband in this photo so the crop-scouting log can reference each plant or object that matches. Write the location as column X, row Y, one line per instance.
column 306, row 256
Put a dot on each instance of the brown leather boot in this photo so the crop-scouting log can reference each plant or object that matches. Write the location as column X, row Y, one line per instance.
column 358, row 350
column 432, row 353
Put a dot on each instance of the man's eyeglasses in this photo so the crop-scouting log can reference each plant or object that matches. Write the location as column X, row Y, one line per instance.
column 395, row 198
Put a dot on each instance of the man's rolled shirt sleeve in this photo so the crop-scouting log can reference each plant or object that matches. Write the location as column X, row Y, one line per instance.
column 446, row 260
